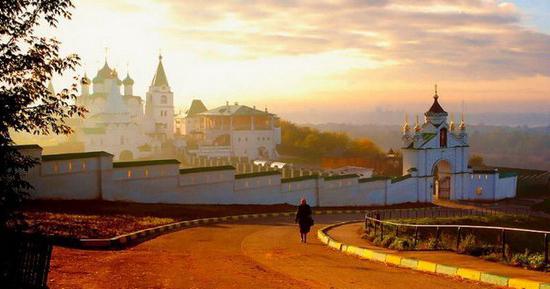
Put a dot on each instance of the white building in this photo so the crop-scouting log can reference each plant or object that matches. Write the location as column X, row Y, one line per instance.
column 436, row 153
column 230, row 131
column 117, row 123
column 435, row 157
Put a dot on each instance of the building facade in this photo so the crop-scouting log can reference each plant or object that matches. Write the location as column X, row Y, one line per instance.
column 230, row 131
column 436, row 154
column 116, row 121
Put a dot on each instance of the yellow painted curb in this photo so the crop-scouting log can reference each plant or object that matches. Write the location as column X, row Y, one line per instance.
column 469, row 274
column 426, row 266
column 393, row 259
column 367, row 254
column 523, row 284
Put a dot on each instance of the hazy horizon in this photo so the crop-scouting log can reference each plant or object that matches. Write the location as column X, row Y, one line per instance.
column 325, row 55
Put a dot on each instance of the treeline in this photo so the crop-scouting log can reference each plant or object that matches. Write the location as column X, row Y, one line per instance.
column 313, row 145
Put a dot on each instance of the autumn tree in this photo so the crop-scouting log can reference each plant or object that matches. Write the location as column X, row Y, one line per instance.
column 28, row 62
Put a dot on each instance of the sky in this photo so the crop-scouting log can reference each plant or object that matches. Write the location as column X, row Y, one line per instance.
column 328, row 57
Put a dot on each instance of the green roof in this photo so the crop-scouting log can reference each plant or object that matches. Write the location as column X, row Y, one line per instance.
column 339, row 177
column 145, row 163
column 235, row 110
column 427, row 137
column 71, row 156
column 298, row 179
column 93, row 130
column 485, row 171
column 26, row 147
column 256, row 174
column 507, row 175
column 196, row 107
column 373, row 179
column 205, row 169
column 160, row 76
column 400, row 178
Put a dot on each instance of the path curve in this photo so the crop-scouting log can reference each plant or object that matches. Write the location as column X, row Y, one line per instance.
column 258, row 253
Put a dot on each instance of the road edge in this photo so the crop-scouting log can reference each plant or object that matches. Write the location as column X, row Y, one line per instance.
column 424, row 266
column 124, row 241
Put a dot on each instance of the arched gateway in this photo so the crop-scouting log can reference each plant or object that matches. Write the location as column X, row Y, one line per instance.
column 436, row 153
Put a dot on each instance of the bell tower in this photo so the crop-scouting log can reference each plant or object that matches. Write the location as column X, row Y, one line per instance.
column 159, row 106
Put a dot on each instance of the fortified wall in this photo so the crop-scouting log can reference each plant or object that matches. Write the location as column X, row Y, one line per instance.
column 94, row 176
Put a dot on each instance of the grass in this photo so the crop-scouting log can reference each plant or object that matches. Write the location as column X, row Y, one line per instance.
column 521, row 248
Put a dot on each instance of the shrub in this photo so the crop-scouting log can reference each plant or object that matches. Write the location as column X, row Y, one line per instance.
column 536, row 261
column 388, row 239
column 469, row 245
column 520, row 259
column 401, row 244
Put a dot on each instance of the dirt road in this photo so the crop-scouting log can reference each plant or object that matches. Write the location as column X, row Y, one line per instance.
column 252, row 254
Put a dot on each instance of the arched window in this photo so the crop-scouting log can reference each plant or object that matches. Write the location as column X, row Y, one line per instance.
column 443, row 138
column 163, row 99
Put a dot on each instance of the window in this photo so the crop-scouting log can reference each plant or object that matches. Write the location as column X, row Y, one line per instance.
column 163, row 99
column 55, row 168
column 129, row 173
column 443, row 137
column 70, row 166
column 146, row 173
column 83, row 165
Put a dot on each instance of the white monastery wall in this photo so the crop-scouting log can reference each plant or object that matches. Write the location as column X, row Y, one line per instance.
column 93, row 176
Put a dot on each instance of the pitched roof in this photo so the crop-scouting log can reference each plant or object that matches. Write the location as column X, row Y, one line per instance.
column 436, row 107
column 235, row 110
column 160, row 76
column 196, row 107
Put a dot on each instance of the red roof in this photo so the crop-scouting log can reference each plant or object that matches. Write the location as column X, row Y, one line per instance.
column 436, row 107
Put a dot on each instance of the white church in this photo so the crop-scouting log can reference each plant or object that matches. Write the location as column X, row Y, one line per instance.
column 118, row 123
column 435, row 162
column 436, row 154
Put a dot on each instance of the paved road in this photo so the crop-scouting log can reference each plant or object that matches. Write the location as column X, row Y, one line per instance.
column 252, row 254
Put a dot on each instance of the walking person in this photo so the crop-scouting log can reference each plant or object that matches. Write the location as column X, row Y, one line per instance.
column 304, row 219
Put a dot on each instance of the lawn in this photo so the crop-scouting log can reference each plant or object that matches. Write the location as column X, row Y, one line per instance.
column 523, row 249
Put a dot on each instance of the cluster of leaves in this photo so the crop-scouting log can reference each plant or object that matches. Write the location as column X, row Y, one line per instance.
column 313, row 144
column 27, row 105
column 528, row 260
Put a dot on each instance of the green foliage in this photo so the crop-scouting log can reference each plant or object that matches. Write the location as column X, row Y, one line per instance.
column 26, row 104
column 387, row 241
column 312, row 144
column 534, row 261
column 476, row 161
column 402, row 243
column 468, row 245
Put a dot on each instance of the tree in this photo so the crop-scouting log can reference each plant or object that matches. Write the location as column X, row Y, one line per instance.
column 476, row 161
column 28, row 63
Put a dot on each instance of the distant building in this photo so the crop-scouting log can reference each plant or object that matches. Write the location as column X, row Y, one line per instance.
column 436, row 153
column 361, row 172
column 116, row 122
column 230, row 131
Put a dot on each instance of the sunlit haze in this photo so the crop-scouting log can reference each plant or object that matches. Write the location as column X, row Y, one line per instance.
column 331, row 59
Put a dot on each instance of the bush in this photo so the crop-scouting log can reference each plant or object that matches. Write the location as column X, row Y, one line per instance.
column 469, row 245
column 520, row 259
column 401, row 244
column 387, row 241
column 536, row 261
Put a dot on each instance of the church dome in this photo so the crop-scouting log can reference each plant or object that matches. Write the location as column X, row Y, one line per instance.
column 102, row 74
column 128, row 80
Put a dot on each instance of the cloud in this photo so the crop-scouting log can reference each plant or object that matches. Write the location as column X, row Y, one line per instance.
column 455, row 38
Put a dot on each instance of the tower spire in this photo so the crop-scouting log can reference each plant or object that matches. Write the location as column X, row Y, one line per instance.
column 160, row 78
column 435, row 88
